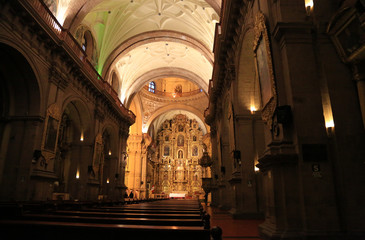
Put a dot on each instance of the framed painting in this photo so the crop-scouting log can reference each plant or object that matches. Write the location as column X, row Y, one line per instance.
column 51, row 134
column 264, row 70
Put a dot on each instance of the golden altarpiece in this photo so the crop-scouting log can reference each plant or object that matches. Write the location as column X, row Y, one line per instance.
column 180, row 146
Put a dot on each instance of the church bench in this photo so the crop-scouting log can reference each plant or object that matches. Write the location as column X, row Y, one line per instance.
column 125, row 215
column 112, row 220
column 133, row 210
column 56, row 230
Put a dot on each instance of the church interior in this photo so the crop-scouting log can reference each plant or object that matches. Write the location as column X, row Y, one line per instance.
column 255, row 108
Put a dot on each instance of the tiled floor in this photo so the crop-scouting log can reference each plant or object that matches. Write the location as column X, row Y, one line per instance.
column 233, row 229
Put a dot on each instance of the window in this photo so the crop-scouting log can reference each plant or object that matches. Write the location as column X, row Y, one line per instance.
column 151, row 87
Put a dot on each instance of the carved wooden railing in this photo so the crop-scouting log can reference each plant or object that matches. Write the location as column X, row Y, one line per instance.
column 173, row 94
column 66, row 39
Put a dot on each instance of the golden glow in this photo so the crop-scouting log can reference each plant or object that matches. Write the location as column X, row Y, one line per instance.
column 77, row 174
column 110, row 152
column 107, row 180
column 330, row 124
column 257, row 169
column 253, row 109
column 309, row 3
column 82, row 137
column 309, row 6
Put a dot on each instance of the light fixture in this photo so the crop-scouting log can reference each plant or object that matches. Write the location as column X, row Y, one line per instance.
column 253, row 109
column 330, row 124
column 82, row 137
column 257, row 169
column 110, row 152
column 77, row 174
column 107, row 180
column 308, row 6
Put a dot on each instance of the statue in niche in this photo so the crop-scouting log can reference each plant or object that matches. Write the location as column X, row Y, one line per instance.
column 180, row 140
column 166, row 138
column 180, row 154
column 194, row 138
column 181, row 128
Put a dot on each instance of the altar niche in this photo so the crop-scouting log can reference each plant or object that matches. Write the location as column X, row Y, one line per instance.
column 179, row 154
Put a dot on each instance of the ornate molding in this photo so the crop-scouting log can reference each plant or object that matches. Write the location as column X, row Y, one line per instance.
column 264, row 69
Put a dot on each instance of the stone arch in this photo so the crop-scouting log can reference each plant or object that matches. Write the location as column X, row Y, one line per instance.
column 176, row 107
column 162, row 73
column 74, row 130
column 247, row 90
column 21, row 106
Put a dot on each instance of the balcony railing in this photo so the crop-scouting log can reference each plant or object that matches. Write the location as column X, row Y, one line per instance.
column 174, row 94
column 65, row 38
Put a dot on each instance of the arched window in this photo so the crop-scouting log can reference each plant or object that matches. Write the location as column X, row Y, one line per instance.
column 152, row 87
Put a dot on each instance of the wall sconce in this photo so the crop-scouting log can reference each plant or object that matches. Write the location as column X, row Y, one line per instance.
column 330, row 124
column 107, row 180
column 257, row 169
column 253, row 109
column 110, row 152
column 77, row 174
column 82, row 137
column 309, row 6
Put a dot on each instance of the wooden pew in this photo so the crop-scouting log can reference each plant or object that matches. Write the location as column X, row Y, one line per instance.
column 175, row 220
column 44, row 230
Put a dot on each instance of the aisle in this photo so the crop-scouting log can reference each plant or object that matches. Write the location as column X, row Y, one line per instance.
column 233, row 229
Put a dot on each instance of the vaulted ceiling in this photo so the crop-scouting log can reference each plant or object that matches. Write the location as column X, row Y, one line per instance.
column 144, row 40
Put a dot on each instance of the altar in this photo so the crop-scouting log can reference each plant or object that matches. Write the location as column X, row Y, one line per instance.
column 180, row 194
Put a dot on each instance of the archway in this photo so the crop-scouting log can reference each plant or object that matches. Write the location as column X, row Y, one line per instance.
column 74, row 128
column 20, row 115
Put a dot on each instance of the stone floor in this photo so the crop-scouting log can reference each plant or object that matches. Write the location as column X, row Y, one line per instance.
column 233, row 229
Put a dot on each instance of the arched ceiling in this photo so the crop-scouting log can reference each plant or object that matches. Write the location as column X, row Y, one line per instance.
column 157, row 122
column 140, row 38
column 160, row 55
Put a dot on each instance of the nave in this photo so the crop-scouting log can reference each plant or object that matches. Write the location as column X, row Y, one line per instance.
column 137, row 219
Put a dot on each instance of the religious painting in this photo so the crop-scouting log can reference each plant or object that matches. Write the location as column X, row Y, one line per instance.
column 166, row 151
column 166, row 138
column 51, row 134
column 95, row 170
column 181, row 128
column 194, row 138
column 195, row 151
column 180, row 140
column 264, row 69
column 348, row 35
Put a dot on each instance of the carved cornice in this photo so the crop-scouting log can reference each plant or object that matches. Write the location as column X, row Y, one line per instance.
column 225, row 45
column 53, row 46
